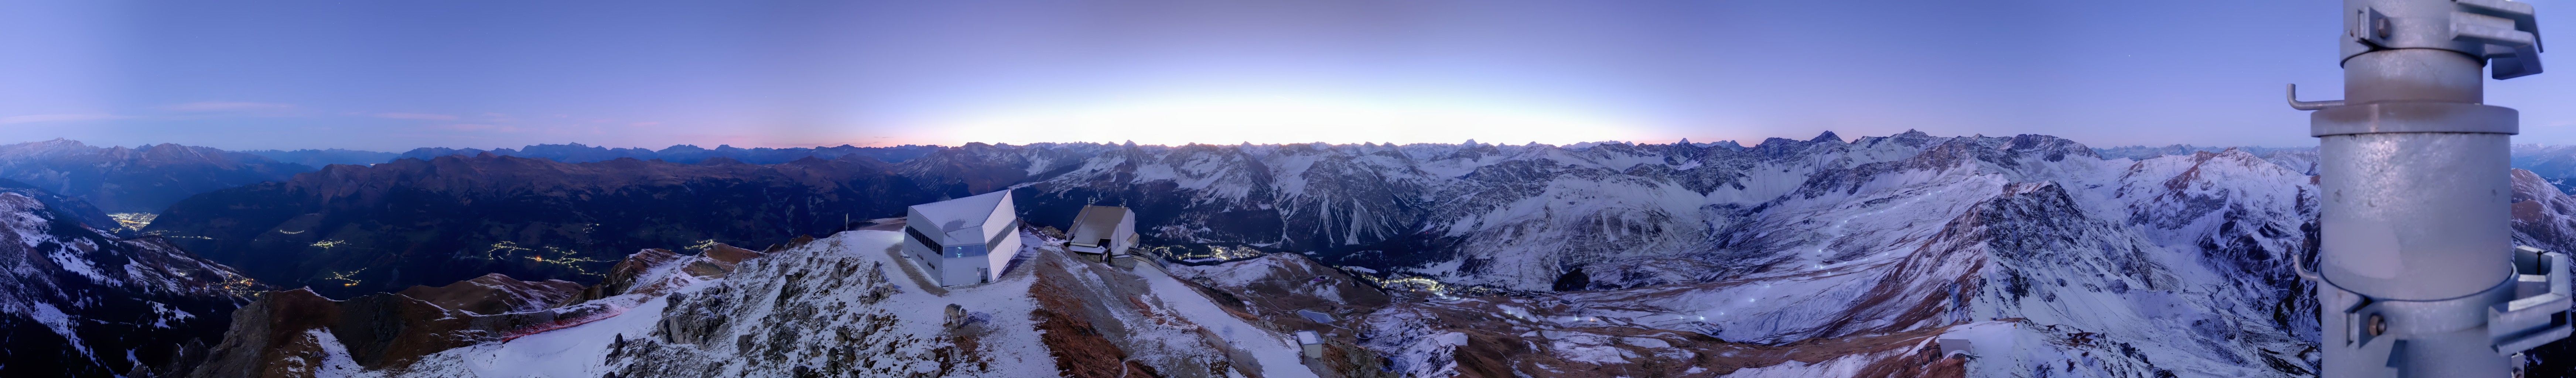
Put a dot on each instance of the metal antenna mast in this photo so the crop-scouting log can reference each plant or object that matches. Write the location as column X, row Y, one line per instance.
column 2418, row 276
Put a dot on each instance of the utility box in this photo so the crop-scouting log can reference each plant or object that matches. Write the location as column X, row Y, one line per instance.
column 1953, row 347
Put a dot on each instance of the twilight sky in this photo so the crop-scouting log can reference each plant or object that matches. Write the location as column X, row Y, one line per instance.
column 394, row 75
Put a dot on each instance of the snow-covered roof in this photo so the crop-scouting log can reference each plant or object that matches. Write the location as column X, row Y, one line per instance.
column 963, row 214
column 1096, row 223
column 1309, row 338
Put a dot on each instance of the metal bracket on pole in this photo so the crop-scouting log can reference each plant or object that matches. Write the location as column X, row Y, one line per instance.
column 2518, row 314
column 2541, row 295
column 2505, row 33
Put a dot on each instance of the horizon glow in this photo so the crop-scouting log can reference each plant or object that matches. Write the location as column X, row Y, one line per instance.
column 283, row 74
column 1282, row 119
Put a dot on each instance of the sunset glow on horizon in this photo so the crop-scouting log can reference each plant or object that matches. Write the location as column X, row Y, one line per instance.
column 1276, row 119
column 393, row 76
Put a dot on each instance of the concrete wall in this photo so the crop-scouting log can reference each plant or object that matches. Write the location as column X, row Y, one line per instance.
column 1125, row 236
column 1001, row 253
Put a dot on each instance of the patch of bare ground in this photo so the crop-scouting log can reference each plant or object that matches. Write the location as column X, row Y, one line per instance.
column 1504, row 346
column 1294, row 282
column 1078, row 346
column 1925, row 362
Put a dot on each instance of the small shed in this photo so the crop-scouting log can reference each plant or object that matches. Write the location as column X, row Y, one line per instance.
column 1953, row 347
column 963, row 241
column 1313, row 343
column 1102, row 233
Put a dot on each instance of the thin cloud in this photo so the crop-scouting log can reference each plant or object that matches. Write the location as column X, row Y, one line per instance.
column 32, row 118
column 227, row 106
column 475, row 127
column 426, row 116
column 643, row 124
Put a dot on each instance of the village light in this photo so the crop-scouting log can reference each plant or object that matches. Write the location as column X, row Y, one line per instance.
column 2417, row 275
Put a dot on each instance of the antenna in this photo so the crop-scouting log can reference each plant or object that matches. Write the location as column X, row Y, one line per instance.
column 2418, row 275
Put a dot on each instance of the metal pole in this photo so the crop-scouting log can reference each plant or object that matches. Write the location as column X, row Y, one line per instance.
column 2417, row 273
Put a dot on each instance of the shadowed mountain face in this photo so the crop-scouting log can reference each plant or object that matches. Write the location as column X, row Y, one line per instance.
column 317, row 158
column 78, row 302
column 348, row 230
column 578, row 153
column 135, row 180
column 73, row 209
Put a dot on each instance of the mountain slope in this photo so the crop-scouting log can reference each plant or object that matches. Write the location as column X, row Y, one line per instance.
column 78, row 302
column 842, row 306
column 348, row 230
column 135, row 180
column 318, row 158
column 687, row 154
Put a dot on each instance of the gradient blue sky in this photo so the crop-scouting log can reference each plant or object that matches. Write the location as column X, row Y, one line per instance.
column 393, row 75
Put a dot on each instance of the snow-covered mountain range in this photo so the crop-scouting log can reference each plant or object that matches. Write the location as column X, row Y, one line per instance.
column 2032, row 255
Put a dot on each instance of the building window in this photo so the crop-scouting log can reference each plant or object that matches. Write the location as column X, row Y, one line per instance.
column 925, row 239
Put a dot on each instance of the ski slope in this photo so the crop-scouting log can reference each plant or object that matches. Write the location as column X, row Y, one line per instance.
column 1278, row 357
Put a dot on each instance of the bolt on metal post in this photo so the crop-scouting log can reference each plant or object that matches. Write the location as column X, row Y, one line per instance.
column 2417, row 275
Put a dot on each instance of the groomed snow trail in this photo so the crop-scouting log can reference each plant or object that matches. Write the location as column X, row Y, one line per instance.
column 577, row 351
column 1278, row 357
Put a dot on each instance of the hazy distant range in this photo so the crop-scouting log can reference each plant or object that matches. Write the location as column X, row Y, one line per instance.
column 578, row 153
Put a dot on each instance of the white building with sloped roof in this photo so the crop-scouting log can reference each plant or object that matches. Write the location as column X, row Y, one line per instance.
column 1102, row 233
column 963, row 241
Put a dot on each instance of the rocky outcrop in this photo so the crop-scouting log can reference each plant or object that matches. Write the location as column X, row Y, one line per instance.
column 812, row 311
column 298, row 333
column 294, row 333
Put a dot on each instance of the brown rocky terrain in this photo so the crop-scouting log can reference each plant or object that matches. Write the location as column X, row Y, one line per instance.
column 494, row 294
column 298, row 333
